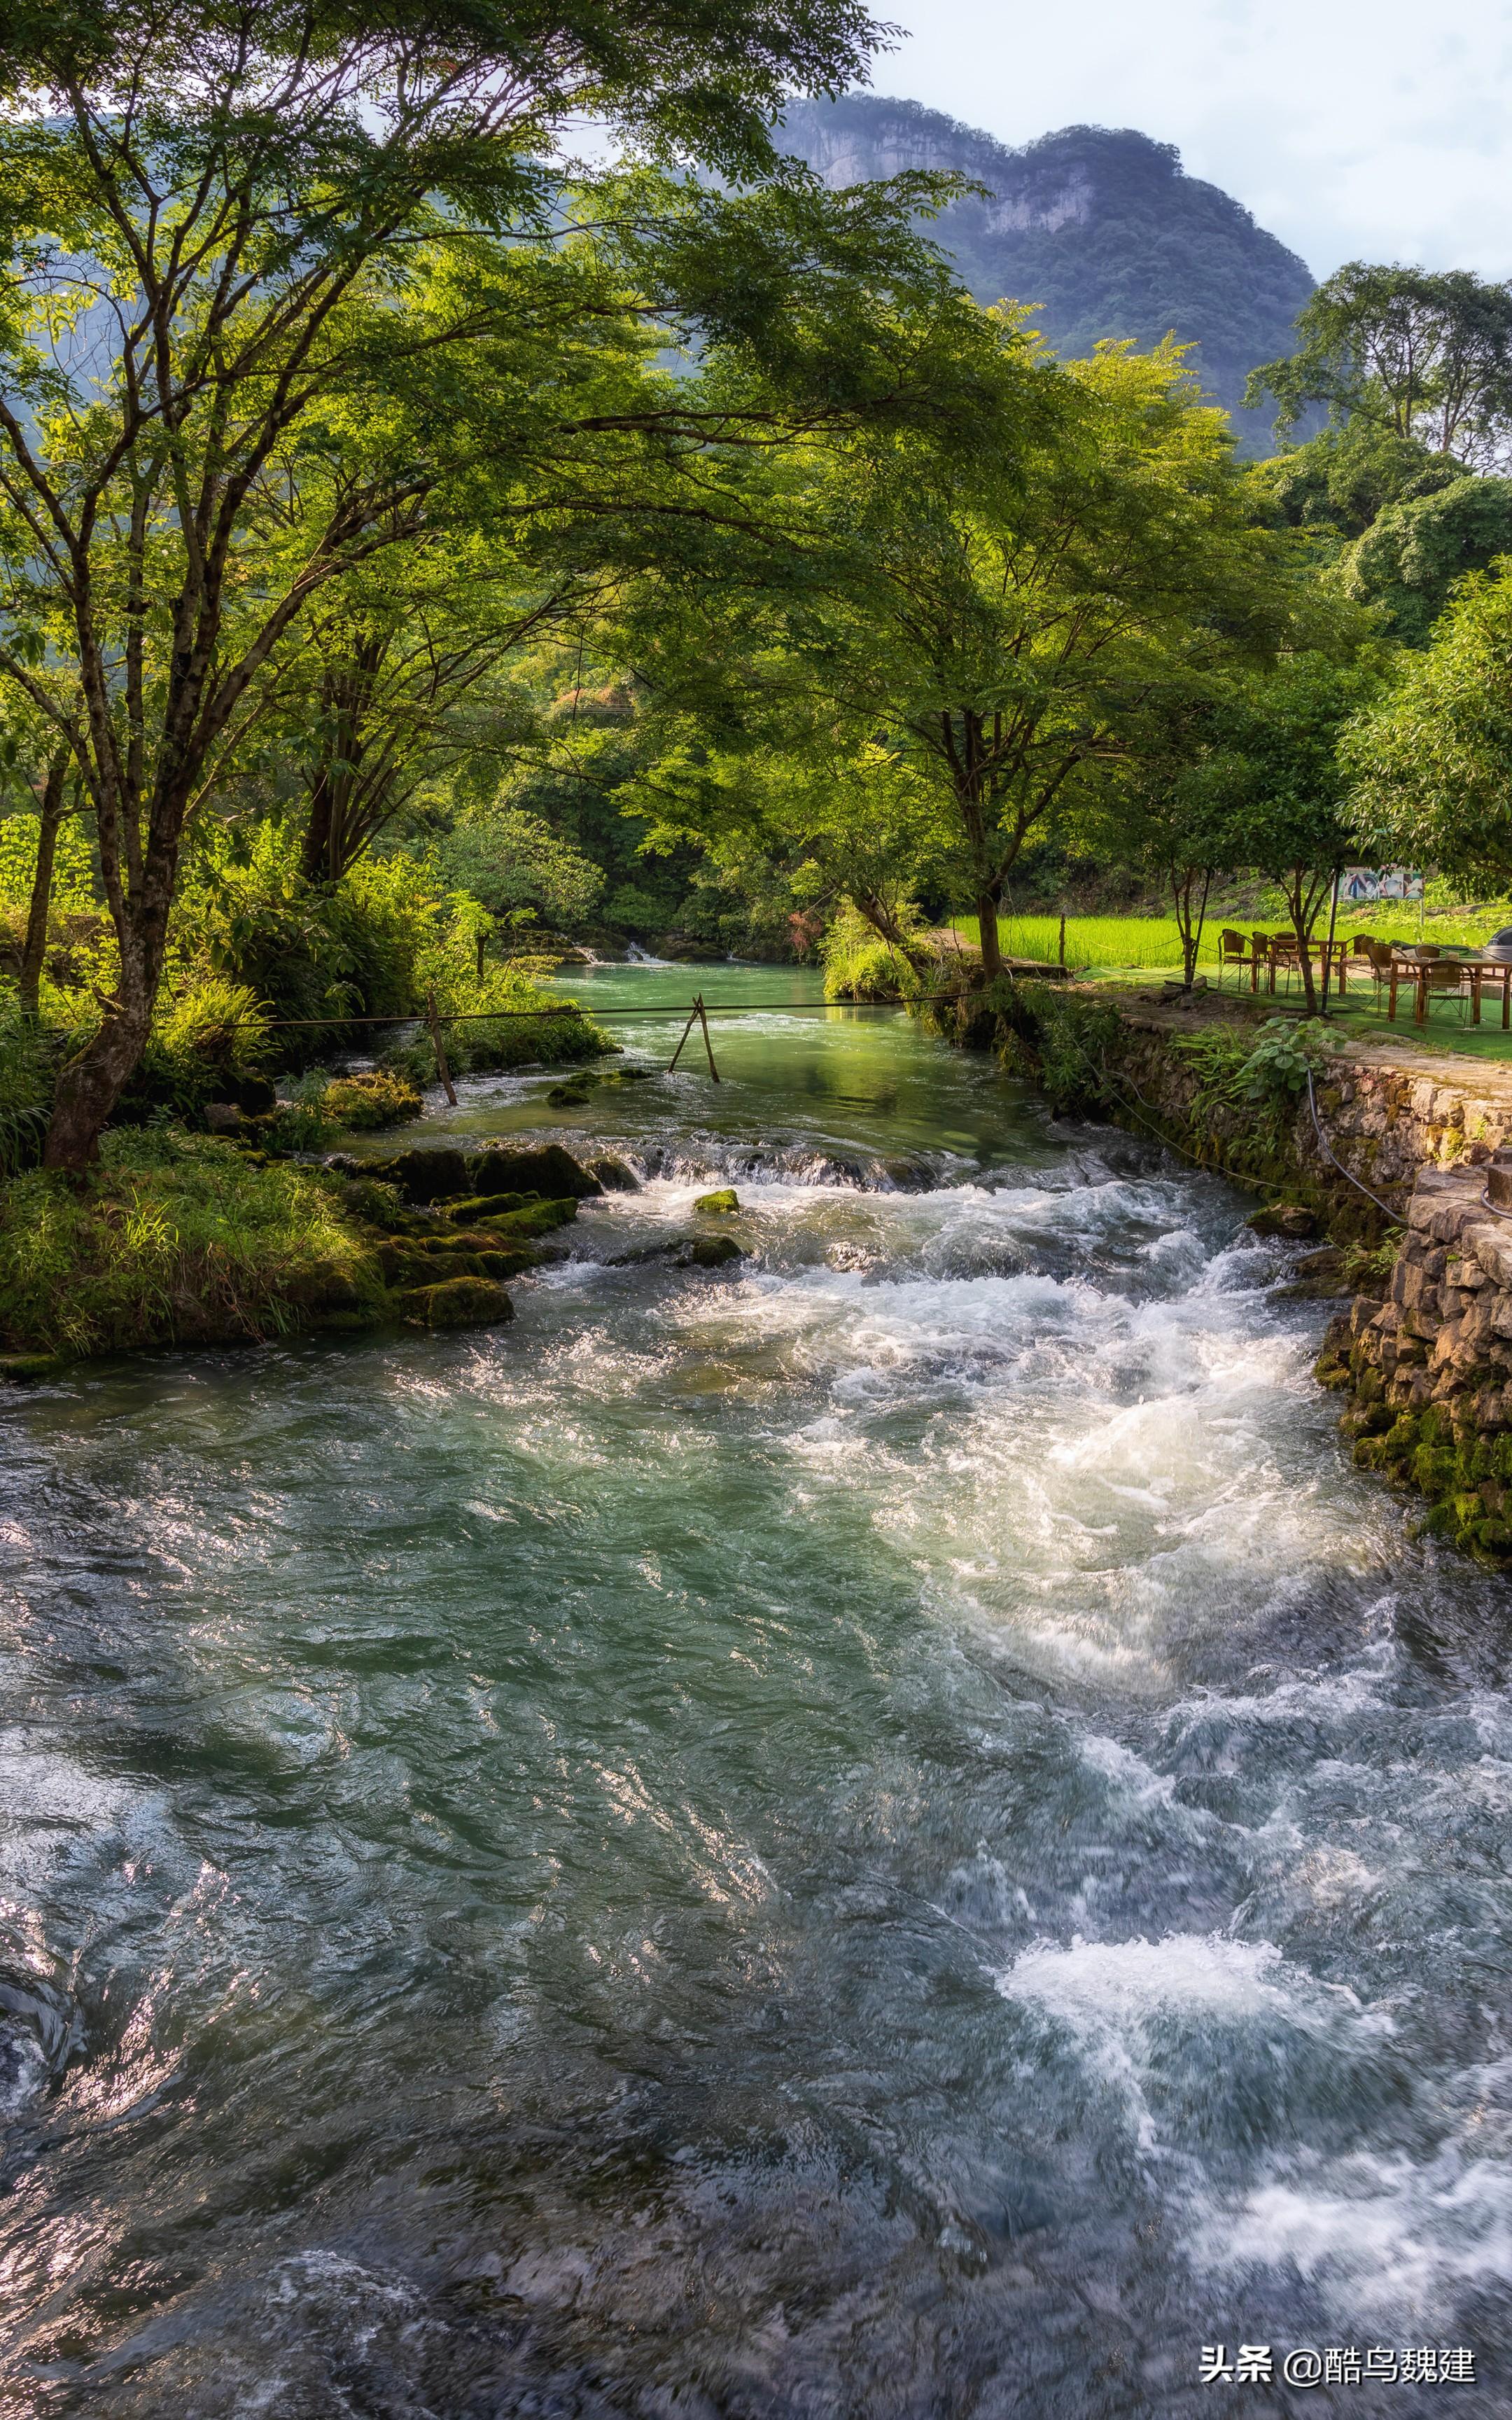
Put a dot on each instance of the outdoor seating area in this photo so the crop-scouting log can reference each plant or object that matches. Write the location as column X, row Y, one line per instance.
column 1427, row 974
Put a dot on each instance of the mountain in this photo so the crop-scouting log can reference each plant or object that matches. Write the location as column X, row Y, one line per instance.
column 1102, row 227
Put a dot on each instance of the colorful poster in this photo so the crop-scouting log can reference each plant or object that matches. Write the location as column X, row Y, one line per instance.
column 1361, row 884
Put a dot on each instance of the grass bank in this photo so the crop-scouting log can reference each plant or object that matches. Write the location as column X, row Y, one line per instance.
column 177, row 1239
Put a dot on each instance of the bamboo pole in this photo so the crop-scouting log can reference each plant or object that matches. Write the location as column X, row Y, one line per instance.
column 707, row 1044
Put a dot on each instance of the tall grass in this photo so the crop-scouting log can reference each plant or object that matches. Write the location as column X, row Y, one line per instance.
column 1096, row 942
column 1110, row 944
column 175, row 1239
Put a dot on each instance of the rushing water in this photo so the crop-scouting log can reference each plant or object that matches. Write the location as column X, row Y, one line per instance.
column 895, row 1833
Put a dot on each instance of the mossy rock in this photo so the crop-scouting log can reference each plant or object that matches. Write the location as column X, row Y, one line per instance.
column 348, row 1323
column 613, row 1174
column 460, row 1302
column 438, row 1174
column 29, row 1369
column 567, row 1097
column 710, row 1252
column 507, row 1264
column 377, row 1099
column 478, row 1207
column 722, row 1202
column 549, row 1172
column 536, row 1218
column 1292, row 1220
column 1433, row 1470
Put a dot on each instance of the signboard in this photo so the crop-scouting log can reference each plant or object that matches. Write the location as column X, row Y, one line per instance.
column 1360, row 884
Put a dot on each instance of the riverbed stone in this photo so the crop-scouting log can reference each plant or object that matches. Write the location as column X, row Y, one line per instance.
column 426, row 1175
column 460, row 1302
column 615, row 1175
column 549, row 1171
column 710, row 1252
column 476, row 1207
column 723, row 1202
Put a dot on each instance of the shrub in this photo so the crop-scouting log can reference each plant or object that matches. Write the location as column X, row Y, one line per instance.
column 25, row 1089
column 1061, row 1039
column 208, row 1038
column 379, row 1099
column 859, row 964
column 176, row 1239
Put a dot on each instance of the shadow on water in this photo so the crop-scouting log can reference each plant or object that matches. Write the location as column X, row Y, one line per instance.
column 894, row 1833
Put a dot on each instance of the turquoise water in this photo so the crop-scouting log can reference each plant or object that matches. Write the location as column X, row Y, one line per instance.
column 894, row 1833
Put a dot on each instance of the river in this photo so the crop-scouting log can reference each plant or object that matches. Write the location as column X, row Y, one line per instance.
column 891, row 1833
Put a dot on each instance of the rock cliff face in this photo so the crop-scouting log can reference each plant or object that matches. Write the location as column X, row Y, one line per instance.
column 1102, row 228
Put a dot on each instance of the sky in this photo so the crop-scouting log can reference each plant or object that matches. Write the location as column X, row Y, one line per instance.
column 1351, row 129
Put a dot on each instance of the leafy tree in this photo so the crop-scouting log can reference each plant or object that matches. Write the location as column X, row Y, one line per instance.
column 222, row 388
column 1278, row 786
column 997, row 614
column 519, row 868
column 1430, row 761
column 1421, row 355
column 1410, row 558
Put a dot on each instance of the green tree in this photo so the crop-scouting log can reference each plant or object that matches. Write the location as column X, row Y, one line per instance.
column 1410, row 558
column 1431, row 758
column 997, row 612
column 1421, row 355
column 221, row 387
column 1279, row 785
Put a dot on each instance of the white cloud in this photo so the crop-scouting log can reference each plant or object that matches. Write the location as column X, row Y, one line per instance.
column 1353, row 129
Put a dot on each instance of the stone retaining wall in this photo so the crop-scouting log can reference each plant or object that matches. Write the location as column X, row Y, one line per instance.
column 1429, row 1370
column 1385, row 1124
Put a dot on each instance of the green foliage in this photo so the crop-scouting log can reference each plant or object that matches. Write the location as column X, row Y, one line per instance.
column 1284, row 1054
column 26, row 1072
column 1419, row 354
column 379, row 1098
column 207, row 1038
column 1411, row 557
column 175, row 1239
column 860, row 965
column 300, row 1124
column 518, row 868
column 1068, row 1044
column 1431, row 761
column 73, row 874
column 638, row 909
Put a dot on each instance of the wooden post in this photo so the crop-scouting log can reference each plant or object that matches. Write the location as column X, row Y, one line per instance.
column 1391, row 1011
column 1063, row 945
column 1420, row 1008
column 1476, row 975
column 1506, row 994
column 441, row 1068
column 1254, row 964
column 707, row 1044
column 688, row 1029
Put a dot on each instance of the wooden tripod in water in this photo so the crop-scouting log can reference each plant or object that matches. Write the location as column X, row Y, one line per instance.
column 699, row 1015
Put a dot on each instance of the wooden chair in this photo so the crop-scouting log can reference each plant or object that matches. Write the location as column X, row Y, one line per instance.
column 1233, row 951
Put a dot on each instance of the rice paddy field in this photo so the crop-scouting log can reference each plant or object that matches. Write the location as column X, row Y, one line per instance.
column 1141, row 945
column 1135, row 949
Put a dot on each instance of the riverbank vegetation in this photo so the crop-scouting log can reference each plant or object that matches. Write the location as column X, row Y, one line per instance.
column 440, row 548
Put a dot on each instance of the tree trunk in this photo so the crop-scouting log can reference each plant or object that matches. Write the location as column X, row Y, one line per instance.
column 91, row 1082
column 992, row 954
column 1301, row 924
column 1190, row 925
column 30, row 983
column 89, row 1086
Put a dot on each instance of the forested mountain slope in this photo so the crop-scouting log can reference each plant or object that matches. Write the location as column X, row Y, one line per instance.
column 1102, row 227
